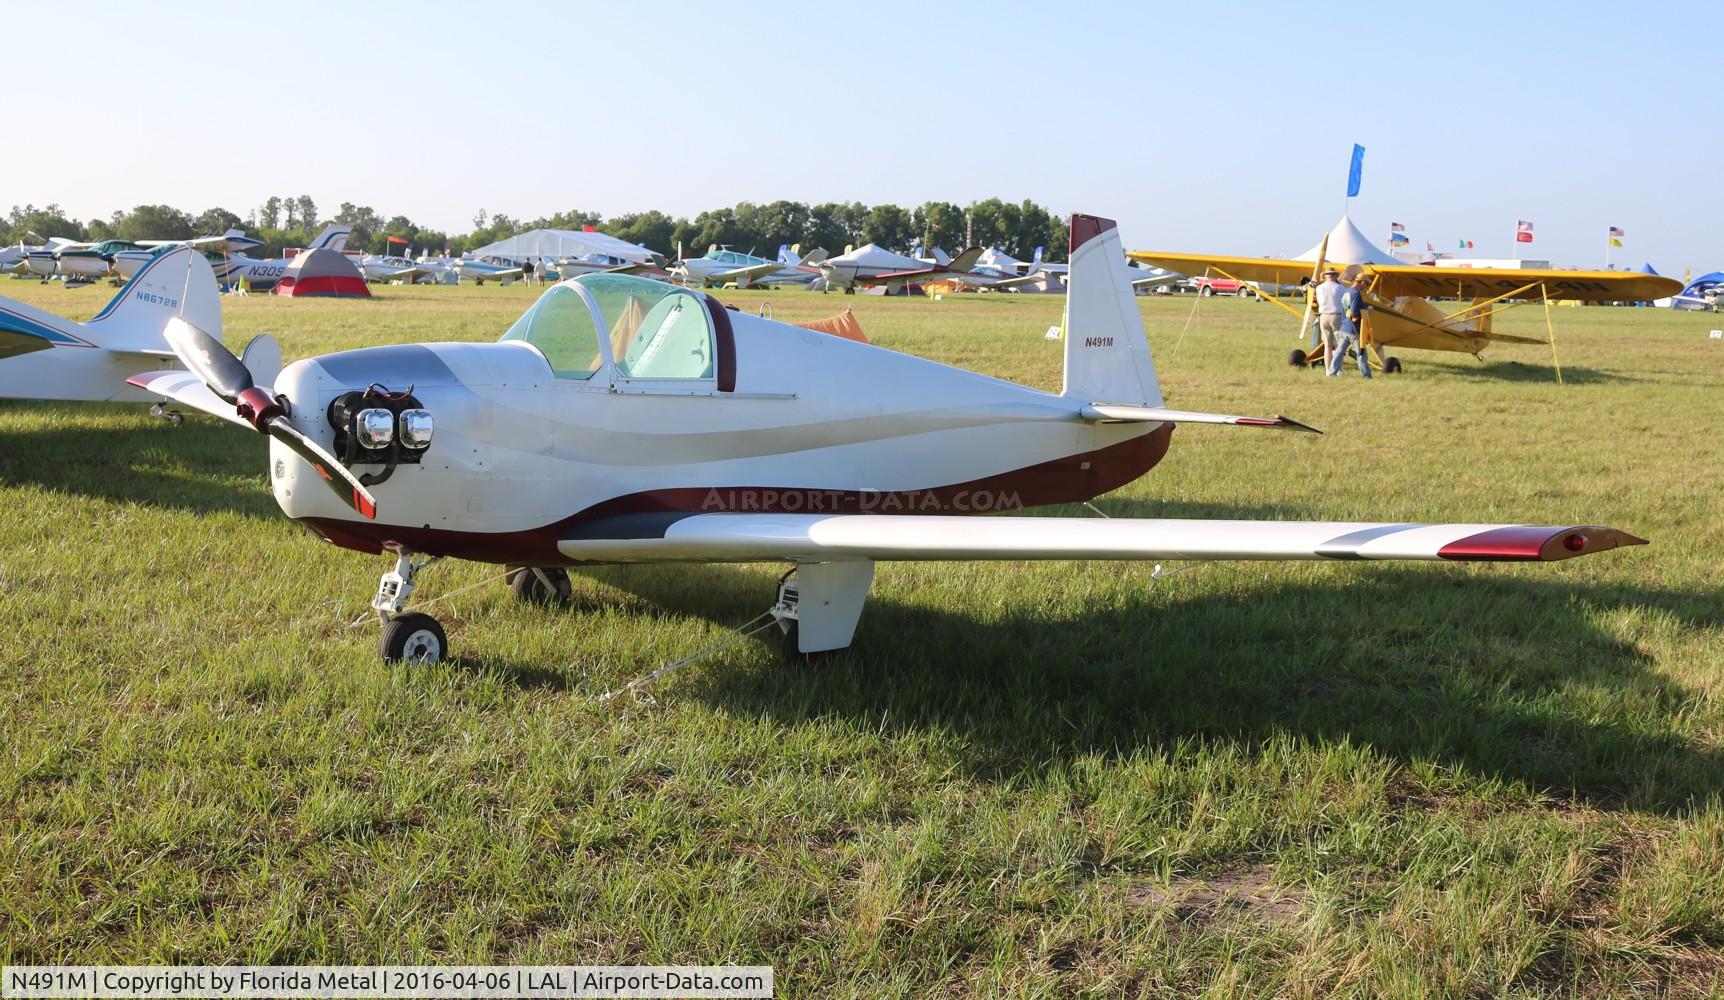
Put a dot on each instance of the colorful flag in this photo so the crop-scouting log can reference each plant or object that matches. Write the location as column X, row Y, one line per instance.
column 1466, row 244
column 1614, row 231
column 1615, row 242
column 396, row 239
column 1356, row 172
column 1523, row 232
column 1398, row 239
column 1396, row 227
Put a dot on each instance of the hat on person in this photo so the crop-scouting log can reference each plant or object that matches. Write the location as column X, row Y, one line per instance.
column 1331, row 270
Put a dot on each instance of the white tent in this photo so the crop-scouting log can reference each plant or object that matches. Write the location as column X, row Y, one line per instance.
column 542, row 245
column 1349, row 246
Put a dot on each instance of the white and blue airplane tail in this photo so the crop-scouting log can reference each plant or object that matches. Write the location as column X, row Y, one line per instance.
column 44, row 356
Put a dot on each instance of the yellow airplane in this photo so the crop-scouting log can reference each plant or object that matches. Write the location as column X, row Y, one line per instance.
column 1401, row 313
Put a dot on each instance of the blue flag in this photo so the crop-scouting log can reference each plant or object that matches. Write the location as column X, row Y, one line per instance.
column 1356, row 172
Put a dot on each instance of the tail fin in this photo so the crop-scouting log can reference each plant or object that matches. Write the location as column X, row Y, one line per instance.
column 814, row 257
column 787, row 256
column 333, row 237
column 965, row 261
column 1107, row 354
column 1037, row 259
column 177, row 282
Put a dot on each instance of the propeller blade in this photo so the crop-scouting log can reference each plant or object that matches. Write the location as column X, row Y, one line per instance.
column 340, row 482
column 206, row 358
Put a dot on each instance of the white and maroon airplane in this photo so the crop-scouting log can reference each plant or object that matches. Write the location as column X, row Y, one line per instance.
column 626, row 420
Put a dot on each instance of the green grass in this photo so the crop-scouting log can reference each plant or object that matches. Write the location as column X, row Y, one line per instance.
column 1026, row 779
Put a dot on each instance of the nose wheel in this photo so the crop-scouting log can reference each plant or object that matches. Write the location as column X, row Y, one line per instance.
column 412, row 637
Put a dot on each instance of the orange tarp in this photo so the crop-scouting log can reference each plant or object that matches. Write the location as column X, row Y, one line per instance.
column 842, row 325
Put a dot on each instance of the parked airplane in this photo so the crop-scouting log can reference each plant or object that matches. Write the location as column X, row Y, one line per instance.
column 263, row 274
column 871, row 264
column 479, row 270
column 1400, row 313
column 377, row 267
column 627, row 420
column 43, row 356
column 723, row 266
column 123, row 258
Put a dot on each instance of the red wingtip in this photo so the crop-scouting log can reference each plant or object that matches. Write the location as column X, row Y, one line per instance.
column 363, row 504
column 1532, row 542
column 1087, row 227
column 141, row 381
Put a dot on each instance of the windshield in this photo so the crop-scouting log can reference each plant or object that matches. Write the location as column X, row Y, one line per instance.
column 561, row 327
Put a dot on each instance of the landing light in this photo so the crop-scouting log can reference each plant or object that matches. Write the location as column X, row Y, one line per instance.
column 376, row 427
column 416, row 428
column 1574, row 542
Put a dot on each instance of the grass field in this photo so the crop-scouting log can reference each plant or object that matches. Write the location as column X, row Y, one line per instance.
column 1026, row 779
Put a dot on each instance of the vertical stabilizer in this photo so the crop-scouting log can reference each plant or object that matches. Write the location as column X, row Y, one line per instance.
column 334, row 237
column 177, row 282
column 1107, row 354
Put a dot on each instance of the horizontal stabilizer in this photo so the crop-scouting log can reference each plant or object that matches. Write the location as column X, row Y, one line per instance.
column 886, row 537
column 1125, row 413
column 185, row 387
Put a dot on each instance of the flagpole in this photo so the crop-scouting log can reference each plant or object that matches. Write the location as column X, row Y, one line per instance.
column 1517, row 241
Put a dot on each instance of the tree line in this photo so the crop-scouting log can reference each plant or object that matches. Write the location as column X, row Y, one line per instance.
column 279, row 222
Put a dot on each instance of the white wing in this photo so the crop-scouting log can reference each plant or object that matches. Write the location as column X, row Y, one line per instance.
column 891, row 537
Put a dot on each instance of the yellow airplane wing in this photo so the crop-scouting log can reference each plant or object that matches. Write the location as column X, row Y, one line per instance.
column 1284, row 272
column 1420, row 281
column 1488, row 282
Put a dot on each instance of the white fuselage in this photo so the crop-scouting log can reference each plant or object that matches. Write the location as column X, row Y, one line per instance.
column 521, row 457
column 867, row 262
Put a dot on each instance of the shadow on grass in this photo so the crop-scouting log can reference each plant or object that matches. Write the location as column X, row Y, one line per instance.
column 113, row 452
column 1504, row 676
column 1516, row 371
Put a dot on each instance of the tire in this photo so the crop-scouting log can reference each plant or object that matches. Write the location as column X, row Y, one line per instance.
column 1207, row 291
column 1244, row 291
column 529, row 589
column 413, row 638
column 1297, row 359
column 1391, row 366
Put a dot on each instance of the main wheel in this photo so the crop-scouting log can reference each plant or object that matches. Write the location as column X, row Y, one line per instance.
column 413, row 638
column 1391, row 365
column 529, row 589
column 1297, row 359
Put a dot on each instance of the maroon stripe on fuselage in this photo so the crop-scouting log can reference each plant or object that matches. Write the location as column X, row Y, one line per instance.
column 1070, row 479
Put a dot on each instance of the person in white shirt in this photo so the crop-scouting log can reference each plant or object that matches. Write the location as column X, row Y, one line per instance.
column 1329, row 313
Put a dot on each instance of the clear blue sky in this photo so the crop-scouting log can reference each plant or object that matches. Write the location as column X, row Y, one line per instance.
column 1225, row 130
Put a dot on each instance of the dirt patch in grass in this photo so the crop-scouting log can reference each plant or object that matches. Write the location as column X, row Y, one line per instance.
column 1246, row 894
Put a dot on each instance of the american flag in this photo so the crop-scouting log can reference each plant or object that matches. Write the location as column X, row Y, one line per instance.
column 1523, row 232
column 1616, row 232
column 1396, row 227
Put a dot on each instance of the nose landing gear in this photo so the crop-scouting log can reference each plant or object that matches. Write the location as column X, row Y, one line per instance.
column 414, row 637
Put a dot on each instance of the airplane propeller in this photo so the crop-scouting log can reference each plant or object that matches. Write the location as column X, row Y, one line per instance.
column 208, row 359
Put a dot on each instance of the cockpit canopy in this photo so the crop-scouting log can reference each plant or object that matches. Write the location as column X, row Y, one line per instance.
column 652, row 330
